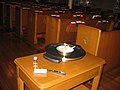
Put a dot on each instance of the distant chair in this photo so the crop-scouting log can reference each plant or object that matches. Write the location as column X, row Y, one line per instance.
column 88, row 38
column 116, row 25
column 105, row 25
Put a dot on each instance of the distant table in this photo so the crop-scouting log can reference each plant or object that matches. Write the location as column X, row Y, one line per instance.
column 77, row 72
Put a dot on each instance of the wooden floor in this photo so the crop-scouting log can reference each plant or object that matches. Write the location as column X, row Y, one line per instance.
column 11, row 47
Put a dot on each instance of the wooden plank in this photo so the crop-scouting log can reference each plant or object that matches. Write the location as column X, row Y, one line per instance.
column 60, row 30
column 80, row 87
column 109, row 49
column 88, row 38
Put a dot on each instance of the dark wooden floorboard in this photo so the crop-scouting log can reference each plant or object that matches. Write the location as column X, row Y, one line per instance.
column 111, row 80
column 12, row 47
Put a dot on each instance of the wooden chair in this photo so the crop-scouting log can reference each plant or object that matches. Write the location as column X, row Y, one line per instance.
column 88, row 38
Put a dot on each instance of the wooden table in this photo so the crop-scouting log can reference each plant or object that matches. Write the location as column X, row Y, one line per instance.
column 77, row 72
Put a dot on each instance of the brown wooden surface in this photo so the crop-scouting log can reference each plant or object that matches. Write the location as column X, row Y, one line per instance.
column 59, row 30
column 24, row 17
column 51, row 30
column 12, row 16
column 104, row 25
column 24, row 20
column 41, row 22
column 77, row 72
column 88, row 38
column 105, row 44
column 36, row 25
column 12, row 47
column 31, row 27
column 109, row 49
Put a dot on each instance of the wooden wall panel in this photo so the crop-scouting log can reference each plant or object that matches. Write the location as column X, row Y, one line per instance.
column 109, row 49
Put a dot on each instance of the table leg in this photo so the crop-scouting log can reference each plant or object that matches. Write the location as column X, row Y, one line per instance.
column 20, row 82
column 96, row 80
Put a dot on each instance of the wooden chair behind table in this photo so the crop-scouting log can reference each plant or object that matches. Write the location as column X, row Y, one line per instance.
column 88, row 38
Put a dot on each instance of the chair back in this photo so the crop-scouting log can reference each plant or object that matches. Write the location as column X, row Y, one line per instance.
column 88, row 38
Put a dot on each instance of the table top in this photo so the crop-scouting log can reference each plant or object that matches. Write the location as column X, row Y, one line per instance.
column 72, row 68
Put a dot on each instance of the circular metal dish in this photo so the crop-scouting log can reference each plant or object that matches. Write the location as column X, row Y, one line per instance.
column 52, row 52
